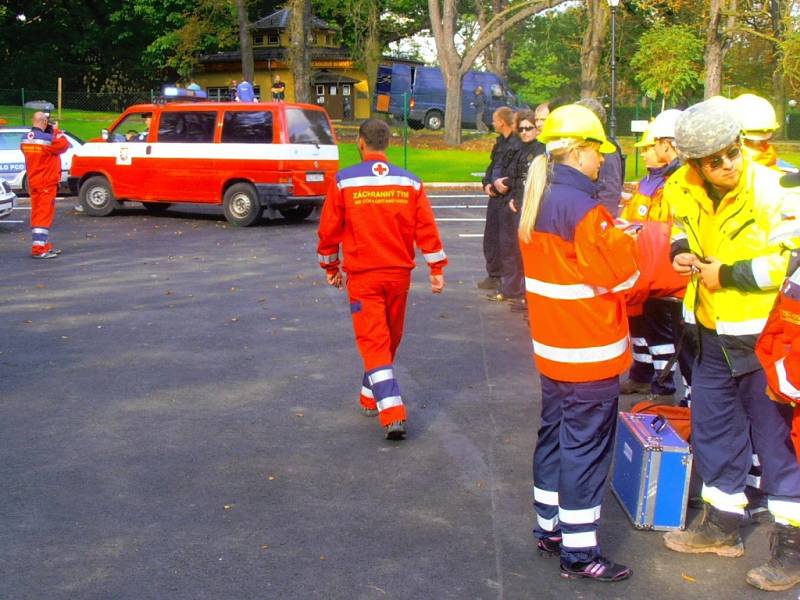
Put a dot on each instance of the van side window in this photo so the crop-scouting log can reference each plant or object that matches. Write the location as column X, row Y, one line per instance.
column 308, row 127
column 247, row 127
column 497, row 90
column 191, row 126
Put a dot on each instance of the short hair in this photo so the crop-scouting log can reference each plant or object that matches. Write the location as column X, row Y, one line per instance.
column 505, row 114
column 594, row 105
column 525, row 114
column 375, row 134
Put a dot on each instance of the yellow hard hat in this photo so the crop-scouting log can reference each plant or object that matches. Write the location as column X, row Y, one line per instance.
column 570, row 123
column 757, row 116
column 647, row 138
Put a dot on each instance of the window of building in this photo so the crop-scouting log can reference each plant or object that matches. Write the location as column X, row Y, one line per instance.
column 218, row 94
column 273, row 39
column 258, row 40
column 345, row 89
column 320, row 90
column 332, row 90
column 247, row 127
column 189, row 126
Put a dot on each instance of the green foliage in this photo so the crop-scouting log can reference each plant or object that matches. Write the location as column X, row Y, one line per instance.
column 545, row 61
column 669, row 62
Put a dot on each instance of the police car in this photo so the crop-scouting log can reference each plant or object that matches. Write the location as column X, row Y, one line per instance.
column 12, row 162
column 7, row 199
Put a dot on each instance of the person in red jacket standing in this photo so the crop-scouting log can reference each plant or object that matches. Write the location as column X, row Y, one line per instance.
column 377, row 212
column 577, row 264
column 41, row 147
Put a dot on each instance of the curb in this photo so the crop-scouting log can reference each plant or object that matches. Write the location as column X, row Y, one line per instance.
column 463, row 185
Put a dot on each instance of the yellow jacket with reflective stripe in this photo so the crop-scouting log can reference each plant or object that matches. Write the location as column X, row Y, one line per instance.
column 753, row 230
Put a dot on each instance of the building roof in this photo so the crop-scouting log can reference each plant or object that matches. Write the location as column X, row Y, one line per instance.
column 280, row 20
column 261, row 54
column 326, row 76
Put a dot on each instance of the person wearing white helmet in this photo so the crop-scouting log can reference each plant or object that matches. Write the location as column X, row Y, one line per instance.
column 577, row 266
column 759, row 124
column 733, row 229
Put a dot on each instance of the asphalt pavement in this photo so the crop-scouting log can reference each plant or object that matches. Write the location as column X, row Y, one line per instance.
column 179, row 420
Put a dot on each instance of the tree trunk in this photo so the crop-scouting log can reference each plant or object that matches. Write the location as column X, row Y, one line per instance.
column 372, row 51
column 592, row 47
column 298, row 54
column 776, row 13
column 498, row 53
column 245, row 42
column 721, row 21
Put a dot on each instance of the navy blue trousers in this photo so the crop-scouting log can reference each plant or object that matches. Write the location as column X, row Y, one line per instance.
column 727, row 413
column 571, row 462
column 512, row 278
column 491, row 236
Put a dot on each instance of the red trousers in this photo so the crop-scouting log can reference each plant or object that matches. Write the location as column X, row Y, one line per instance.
column 378, row 307
column 43, row 210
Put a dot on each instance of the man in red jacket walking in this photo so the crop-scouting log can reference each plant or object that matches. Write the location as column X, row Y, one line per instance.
column 377, row 212
column 41, row 147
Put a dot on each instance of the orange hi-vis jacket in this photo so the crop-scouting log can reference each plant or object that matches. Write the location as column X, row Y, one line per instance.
column 377, row 211
column 657, row 278
column 576, row 266
column 778, row 348
column 41, row 150
column 647, row 202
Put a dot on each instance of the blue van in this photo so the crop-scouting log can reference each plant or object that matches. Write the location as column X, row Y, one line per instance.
column 426, row 94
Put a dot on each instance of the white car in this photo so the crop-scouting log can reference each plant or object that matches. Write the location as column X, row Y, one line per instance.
column 7, row 199
column 12, row 162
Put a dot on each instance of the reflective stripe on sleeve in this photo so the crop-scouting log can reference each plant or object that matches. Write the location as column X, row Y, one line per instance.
column 784, row 385
column 760, row 268
column 785, row 512
column 732, row 503
column 660, row 365
column 584, row 539
column 380, row 376
column 642, row 358
column 545, row 496
column 37, row 141
column 677, row 237
column 627, row 284
column 581, row 355
column 547, row 524
column 663, row 349
column 785, row 231
column 434, row 257
column 43, row 230
column 366, row 392
column 389, row 402
column 574, row 291
column 327, row 259
column 374, row 181
column 583, row 516
column 688, row 317
column 751, row 327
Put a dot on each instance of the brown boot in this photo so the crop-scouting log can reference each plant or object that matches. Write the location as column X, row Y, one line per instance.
column 782, row 571
column 717, row 532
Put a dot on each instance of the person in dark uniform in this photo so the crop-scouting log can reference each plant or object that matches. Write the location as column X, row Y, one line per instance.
column 496, row 187
column 479, row 102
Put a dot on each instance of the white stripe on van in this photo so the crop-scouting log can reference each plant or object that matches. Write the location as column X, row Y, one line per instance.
column 212, row 151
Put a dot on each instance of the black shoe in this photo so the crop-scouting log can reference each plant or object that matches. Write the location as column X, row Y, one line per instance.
column 549, row 546
column 396, row 431
column 782, row 571
column 490, row 283
column 600, row 569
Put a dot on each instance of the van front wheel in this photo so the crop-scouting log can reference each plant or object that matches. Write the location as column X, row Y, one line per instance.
column 96, row 197
column 240, row 205
column 434, row 120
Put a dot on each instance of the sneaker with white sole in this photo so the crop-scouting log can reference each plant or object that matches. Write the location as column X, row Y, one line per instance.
column 48, row 254
column 600, row 569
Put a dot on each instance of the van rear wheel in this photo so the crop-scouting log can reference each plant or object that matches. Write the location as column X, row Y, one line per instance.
column 295, row 215
column 96, row 197
column 434, row 120
column 240, row 205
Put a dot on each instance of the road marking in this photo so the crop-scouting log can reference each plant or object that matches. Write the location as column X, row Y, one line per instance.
column 470, row 235
column 435, row 206
column 7, row 221
column 460, row 219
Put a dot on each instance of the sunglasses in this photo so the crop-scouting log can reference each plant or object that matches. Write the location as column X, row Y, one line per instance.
column 717, row 162
column 526, row 128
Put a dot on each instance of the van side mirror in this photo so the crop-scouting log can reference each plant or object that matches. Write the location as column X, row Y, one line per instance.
column 104, row 134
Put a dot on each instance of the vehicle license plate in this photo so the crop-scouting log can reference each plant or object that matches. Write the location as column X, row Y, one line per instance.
column 315, row 177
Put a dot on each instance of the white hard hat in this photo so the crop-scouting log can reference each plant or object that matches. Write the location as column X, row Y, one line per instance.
column 664, row 124
column 757, row 116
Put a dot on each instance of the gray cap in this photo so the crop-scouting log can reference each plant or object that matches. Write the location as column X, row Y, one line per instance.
column 594, row 105
column 706, row 128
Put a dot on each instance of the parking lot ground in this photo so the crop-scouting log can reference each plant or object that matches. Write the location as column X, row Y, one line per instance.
column 179, row 421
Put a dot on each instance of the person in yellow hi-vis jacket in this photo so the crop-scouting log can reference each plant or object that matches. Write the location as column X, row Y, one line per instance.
column 733, row 229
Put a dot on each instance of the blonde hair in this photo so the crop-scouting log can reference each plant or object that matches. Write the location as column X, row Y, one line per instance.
column 539, row 176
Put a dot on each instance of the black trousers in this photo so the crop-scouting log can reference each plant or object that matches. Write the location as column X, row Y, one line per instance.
column 492, row 251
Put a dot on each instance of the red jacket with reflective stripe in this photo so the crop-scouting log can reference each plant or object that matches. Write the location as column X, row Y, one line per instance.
column 576, row 266
column 377, row 212
column 41, row 150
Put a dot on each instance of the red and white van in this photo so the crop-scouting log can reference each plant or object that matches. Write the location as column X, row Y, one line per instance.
column 252, row 158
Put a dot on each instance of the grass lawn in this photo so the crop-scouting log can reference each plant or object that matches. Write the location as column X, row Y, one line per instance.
column 430, row 164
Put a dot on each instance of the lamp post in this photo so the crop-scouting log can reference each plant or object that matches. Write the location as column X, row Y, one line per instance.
column 612, row 123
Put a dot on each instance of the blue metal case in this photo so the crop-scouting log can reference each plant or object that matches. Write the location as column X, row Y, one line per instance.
column 651, row 472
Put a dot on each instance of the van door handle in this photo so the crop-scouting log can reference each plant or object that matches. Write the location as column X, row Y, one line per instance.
column 148, row 149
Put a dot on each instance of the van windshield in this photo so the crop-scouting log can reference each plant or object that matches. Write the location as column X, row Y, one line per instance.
column 308, row 127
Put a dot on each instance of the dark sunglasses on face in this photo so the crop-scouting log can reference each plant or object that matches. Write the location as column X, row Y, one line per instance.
column 717, row 162
column 526, row 128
